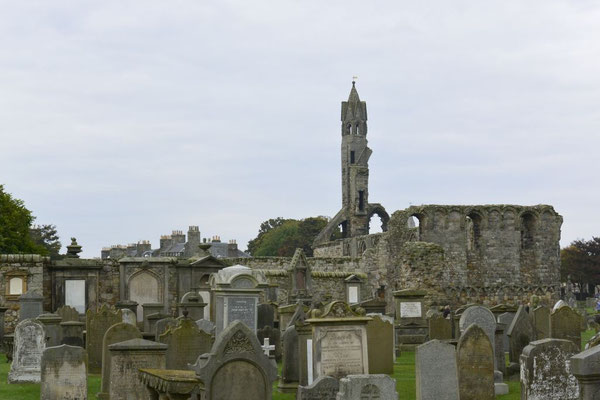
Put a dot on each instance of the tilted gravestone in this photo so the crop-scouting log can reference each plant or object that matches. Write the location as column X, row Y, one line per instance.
column 520, row 333
column 236, row 367
column 380, row 340
column 162, row 325
column 206, row 325
column 185, row 343
column 323, row 388
column 67, row 313
column 545, row 372
column 97, row 323
column 436, row 371
column 64, row 373
column 541, row 322
column 475, row 360
column 584, row 367
column 126, row 359
column 29, row 344
column 439, row 327
column 359, row 387
column 565, row 323
column 117, row 333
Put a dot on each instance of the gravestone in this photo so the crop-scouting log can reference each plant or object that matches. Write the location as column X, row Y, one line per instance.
column 545, row 371
column 151, row 321
column 29, row 344
column 96, row 325
column 365, row 387
column 565, row 323
column 162, row 325
column 323, row 388
column 506, row 319
column 411, row 325
column 67, row 313
column 541, row 322
column 339, row 346
column 185, row 343
column 30, row 305
column 193, row 304
column 266, row 315
column 499, row 354
column 520, row 333
column 482, row 317
column 117, row 333
column 149, row 309
column 206, row 325
column 475, row 360
column 380, row 340
column 439, row 327
column 290, row 368
column 52, row 328
column 436, row 371
column 129, row 316
column 274, row 336
column 63, row 373
column 559, row 304
column 126, row 359
column 584, row 366
column 236, row 367
column 72, row 333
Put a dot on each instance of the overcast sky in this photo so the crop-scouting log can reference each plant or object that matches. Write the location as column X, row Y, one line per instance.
column 123, row 120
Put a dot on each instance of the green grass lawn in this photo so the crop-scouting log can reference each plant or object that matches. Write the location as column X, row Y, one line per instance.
column 404, row 374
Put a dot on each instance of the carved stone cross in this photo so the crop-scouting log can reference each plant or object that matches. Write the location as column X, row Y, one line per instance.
column 267, row 347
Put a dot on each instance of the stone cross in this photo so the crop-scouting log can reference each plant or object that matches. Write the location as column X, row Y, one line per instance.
column 267, row 347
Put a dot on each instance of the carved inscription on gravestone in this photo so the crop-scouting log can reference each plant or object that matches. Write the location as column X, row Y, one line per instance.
column 410, row 309
column 242, row 309
column 342, row 353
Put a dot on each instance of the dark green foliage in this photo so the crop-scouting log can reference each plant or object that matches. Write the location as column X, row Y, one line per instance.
column 15, row 221
column 46, row 236
column 281, row 237
column 581, row 260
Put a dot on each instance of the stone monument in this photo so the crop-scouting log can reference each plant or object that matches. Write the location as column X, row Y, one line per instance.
column 436, row 371
column 29, row 344
column 64, row 373
column 411, row 325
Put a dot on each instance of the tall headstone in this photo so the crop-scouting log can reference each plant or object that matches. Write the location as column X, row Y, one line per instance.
column 323, row 388
column 236, row 367
column 584, row 366
column 52, row 328
column 29, row 344
column 506, row 319
column 565, row 323
column 482, row 317
column 64, row 373
column 31, row 305
column 185, row 343
column 545, row 371
column 499, row 354
column 339, row 346
column 436, row 371
column 362, row 387
column 411, row 325
column 97, row 323
column 520, row 333
column 290, row 368
column 265, row 315
column 117, row 333
column 126, row 359
column 475, row 359
column 541, row 322
column 67, row 313
column 380, row 339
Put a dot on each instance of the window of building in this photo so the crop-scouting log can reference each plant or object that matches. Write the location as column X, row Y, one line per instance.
column 361, row 200
column 352, row 157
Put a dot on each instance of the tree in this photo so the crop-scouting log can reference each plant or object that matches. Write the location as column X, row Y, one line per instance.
column 46, row 237
column 281, row 237
column 15, row 220
column 581, row 260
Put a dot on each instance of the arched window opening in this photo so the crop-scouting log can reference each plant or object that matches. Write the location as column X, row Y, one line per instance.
column 527, row 231
column 473, row 228
column 344, row 228
column 352, row 157
column 358, row 129
column 375, row 224
column 415, row 223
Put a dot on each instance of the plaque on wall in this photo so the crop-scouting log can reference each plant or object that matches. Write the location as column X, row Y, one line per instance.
column 410, row 309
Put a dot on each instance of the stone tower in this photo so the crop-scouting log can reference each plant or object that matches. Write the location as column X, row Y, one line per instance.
column 353, row 218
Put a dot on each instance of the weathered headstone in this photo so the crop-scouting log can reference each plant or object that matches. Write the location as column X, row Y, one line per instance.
column 475, row 360
column 64, row 373
column 499, row 354
column 545, row 371
column 129, row 316
column 31, row 305
column 541, row 322
column 52, row 328
column 192, row 305
column 290, row 368
column 565, row 323
column 482, row 317
column 126, row 359
column 29, row 344
column 97, row 323
column 185, row 343
column 324, row 388
column 436, row 371
column 162, row 325
column 380, row 340
column 363, row 387
column 520, row 333
column 206, row 325
column 506, row 319
column 117, row 333
column 584, row 366
column 339, row 341
column 439, row 327
column 67, row 313
column 236, row 367
column 72, row 333
column 274, row 336
column 559, row 304
column 411, row 325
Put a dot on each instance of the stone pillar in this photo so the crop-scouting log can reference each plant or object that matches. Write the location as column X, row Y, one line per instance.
column 52, row 328
column 127, row 304
column 31, row 305
column 585, row 368
column 72, row 333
